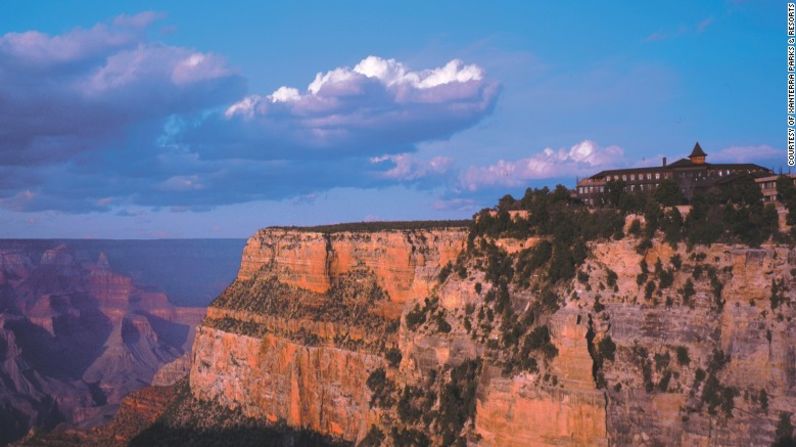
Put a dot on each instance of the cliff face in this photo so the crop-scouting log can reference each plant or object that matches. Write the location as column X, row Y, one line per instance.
column 77, row 336
column 403, row 263
column 368, row 337
column 309, row 317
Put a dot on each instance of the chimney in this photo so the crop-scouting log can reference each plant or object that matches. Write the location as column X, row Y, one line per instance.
column 664, row 162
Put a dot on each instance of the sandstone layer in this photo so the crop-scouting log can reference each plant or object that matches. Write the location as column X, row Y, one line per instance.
column 395, row 336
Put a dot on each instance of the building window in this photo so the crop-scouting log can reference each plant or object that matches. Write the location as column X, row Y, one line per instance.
column 657, row 175
column 624, row 177
column 632, row 177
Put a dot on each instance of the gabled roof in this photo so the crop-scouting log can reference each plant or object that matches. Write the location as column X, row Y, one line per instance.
column 683, row 163
column 697, row 151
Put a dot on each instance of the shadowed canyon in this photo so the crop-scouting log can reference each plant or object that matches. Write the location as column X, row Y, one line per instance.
column 84, row 323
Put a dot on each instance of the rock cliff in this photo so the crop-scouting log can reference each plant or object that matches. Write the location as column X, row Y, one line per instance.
column 76, row 336
column 415, row 336
column 309, row 317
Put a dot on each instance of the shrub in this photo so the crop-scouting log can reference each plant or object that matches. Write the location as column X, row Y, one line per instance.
column 682, row 355
column 662, row 361
column 607, row 348
column 442, row 323
column 666, row 279
column 635, row 228
column 763, row 399
column 380, row 388
column 777, row 295
column 393, row 356
column 611, row 278
column 668, row 193
column 549, row 299
column 644, row 245
column 374, row 438
column 415, row 317
column 688, row 291
column 649, row 289
column 457, row 401
column 784, row 433
column 539, row 340
column 663, row 384
column 445, row 272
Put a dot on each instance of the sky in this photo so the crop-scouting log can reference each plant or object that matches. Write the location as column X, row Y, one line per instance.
column 187, row 119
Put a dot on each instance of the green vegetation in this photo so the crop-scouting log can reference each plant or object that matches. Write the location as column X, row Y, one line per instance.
column 554, row 214
column 381, row 226
column 607, row 348
column 417, row 316
column 635, row 228
column 778, row 290
column 682, row 355
column 668, row 193
column 786, row 193
column 688, row 291
column 457, row 402
column 729, row 213
column 611, row 278
column 442, row 405
column 374, row 438
column 198, row 423
column 784, row 434
column 714, row 394
column 393, row 356
column 381, row 388
column 445, row 272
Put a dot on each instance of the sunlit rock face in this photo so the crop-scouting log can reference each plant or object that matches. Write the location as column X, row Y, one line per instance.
column 295, row 338
column 706, row 358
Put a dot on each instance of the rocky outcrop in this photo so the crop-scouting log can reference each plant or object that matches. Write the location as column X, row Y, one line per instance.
column 392, row 335
column 309, row 317
column 76, row 336
column 403, row 263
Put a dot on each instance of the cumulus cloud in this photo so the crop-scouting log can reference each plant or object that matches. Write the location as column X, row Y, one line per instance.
column 580, row 159
column 378, row 106
column 103, row 118
column 407, row 167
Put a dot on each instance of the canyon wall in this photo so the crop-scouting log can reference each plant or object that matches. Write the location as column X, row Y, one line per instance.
column 77, row 336
column 309, row 317
column 404, row 337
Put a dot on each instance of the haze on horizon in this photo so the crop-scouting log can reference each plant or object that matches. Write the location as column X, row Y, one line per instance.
column 180, row 120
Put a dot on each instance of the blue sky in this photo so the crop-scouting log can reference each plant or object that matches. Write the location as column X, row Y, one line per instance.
column 197, row 119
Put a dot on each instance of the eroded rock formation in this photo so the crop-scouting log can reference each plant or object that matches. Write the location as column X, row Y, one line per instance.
column 395, row 337
column 76, row 336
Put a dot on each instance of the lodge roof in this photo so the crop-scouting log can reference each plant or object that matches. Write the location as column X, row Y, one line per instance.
column 697, row 151
column 683, row 163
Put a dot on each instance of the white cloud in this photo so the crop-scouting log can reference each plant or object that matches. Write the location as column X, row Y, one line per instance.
column 380, row 104
column 580, row 159
column 745, row 154
column 407, row 167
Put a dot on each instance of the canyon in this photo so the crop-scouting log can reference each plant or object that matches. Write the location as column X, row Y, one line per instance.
column 81, row 329
column 437, row 333
column 408, row 336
